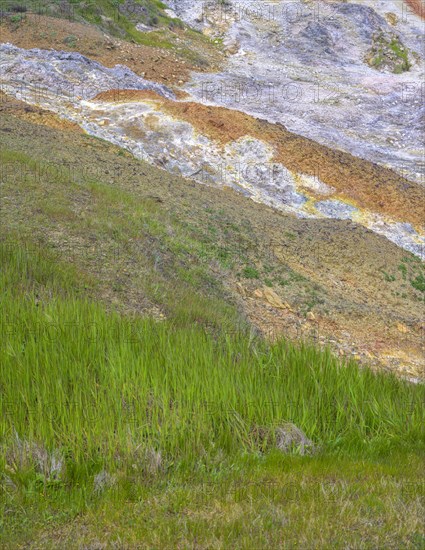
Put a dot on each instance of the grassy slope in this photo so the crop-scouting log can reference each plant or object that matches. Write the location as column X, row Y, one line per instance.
column 179, row 416
column 167, row 237
column 123, row 14
column 127, row 432
column 186, row 391
column 179, row 427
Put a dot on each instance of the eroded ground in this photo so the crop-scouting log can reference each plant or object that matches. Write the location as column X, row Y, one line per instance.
column 323, row 252
column 331, row 281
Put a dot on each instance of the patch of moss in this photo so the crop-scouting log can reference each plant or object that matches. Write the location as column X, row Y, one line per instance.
column 418, row 283
column 388, row 52
column 250, row 273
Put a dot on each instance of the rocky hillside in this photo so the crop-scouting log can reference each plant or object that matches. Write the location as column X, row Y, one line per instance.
column 312, row 110
column 212, row 275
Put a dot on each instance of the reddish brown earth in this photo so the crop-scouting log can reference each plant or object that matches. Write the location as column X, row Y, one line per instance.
column 418, row 6
column 166, row 66
column 9, row 105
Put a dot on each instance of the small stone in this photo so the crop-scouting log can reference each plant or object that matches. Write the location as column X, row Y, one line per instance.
column 290, row 438
column 273, row 299
column 402, row 328
column 240, row 289
column 391, row 18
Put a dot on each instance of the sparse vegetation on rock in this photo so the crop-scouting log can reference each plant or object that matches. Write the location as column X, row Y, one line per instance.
column 387, row 53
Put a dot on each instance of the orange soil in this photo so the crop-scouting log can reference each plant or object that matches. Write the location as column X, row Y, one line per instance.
column 36, row 115
column 418, row 6
column 368, row 185
column 160, row 65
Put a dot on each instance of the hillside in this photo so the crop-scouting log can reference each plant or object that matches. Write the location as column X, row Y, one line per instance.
column 367, row 305
column 211, row 306
column 75, row 237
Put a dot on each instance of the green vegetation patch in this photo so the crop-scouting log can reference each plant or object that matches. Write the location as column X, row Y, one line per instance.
column 388, row 52
column 120, row 18
column 117, row 427
column 411, row 271
column 109, row 417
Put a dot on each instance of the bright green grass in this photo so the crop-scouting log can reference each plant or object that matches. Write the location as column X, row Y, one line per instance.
column 179, row 427
column 141, row 434
column 96, row 385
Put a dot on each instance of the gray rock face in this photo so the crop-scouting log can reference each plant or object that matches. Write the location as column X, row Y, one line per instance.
column 336, row 209
column 364, row 18
column 305, row 65
column 68, row 74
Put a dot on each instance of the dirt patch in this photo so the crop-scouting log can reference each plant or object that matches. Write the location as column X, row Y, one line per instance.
column 418, row 6
column 167, row 66
column 36, row 115
column 373, row 341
